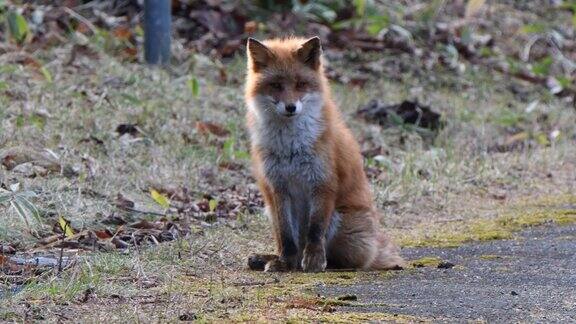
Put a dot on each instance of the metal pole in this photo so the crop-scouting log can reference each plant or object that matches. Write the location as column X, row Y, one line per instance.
column 157, row 21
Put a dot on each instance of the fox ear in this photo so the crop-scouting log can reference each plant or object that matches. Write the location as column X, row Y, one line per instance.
column 309, row 53
column 258, row 54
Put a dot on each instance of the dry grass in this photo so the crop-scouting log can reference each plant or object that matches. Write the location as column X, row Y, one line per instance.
column 455, row 180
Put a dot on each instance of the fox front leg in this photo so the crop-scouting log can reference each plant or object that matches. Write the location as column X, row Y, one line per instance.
column 314, row 259
column 287, row 247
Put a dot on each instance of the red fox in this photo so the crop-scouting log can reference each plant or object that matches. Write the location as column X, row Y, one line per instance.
column 308, row 166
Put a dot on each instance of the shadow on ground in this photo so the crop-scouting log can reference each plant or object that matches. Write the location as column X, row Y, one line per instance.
column 530, row 278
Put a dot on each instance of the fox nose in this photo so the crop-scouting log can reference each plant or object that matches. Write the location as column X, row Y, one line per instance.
column 290, row 108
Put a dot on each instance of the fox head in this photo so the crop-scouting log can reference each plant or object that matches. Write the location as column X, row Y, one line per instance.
column 285, row 77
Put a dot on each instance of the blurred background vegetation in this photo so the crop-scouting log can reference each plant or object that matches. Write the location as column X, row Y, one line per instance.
column 523, row 48
column 526, row 49
column 530, row 40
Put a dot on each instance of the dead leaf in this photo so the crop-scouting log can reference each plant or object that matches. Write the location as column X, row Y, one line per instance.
column 472, row 7
column 518, row 141
column 131, row 129
column 214, row 22
column 113, row 220
column 144, row 224
column 50, row 239
column 206, row 128
column 7, row 249
column 203, row 206
column 81, row 50
column 122, row 33
column 230, row 47
column 516, row 138
column 68, row 245
column 103, row 234
column 188, row 317
column 233, row 166
column 408, row 112
column 159, row 198
column 123, row 203
column 87, row 294
column 65, row 226
column 12, row 157
column 9, row 267
column 250, row 27
column 88, row 239
column 212, row 204
column 83, row 28
column 27, row 60
column 130, row 54
column 358, row 81
column 498, row 196
column 30, row 170
column 148, row 283
column 172, row 192
column 374, row 151
column 120, row 244
column 223, row 76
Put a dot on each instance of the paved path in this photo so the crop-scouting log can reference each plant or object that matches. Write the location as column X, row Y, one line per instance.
column 531, row 278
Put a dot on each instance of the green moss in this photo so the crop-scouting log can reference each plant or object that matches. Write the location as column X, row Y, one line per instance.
column 328, row 277
column 355, row 318
column 487, row 232
column 523, row 219
column 494, row 235
column 547, row 201
column 490, row 257
column 560, row 210
column 427, row 262
column 567, row 217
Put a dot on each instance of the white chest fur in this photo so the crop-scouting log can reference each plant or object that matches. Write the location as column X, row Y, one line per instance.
column 291, row 164
column 287, row 143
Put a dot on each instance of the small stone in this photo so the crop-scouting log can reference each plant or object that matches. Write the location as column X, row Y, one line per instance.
column 445, row 265
column 188, row 317
column 348, row 297
column 513, row 293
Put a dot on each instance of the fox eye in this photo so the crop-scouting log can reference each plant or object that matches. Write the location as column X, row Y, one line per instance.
column 276, row 85
column 301, row 84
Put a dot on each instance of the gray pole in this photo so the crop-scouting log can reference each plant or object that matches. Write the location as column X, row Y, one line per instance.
column 157, row 21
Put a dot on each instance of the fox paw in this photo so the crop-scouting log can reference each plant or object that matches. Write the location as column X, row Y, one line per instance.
column 314, row 259
column 276, row 265
column 283, row 264
column 257, row 262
